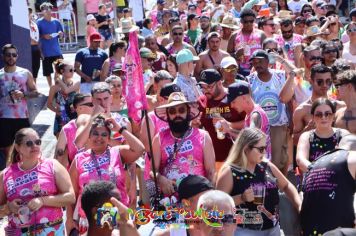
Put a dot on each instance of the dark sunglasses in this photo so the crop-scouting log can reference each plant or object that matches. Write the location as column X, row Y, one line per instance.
column 247, row 21
column 261, row 149
column 287, row 32
column 321, row 82
column 103, row 134
column 9, row 54
column 226, row 219
column 71, row 70
column 351, row 30
column 325, row 114
column 277, row 50
column 331, row 51
column 31, row 143
column 337, row 86
column 315, row 58
column 88, row 104
column 307, row 10
column 180, row 110
column 207, row 87
column 177, row 34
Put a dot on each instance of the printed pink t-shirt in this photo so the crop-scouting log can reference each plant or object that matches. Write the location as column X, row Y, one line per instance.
column 28, row 184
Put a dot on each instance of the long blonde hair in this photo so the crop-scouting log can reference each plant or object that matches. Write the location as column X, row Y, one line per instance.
column 247, row 138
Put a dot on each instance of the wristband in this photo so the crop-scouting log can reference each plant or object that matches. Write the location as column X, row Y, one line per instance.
column 122, row 129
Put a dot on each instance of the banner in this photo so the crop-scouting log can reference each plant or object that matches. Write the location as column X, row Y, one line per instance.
column 133, row 88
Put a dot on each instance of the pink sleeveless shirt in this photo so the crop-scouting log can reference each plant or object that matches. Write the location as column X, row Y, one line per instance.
column 250, row 44
column 188, row 160
column 264, row 126
column 106, row 166
column 28, row 184
column 160, row 125
column 70, row 130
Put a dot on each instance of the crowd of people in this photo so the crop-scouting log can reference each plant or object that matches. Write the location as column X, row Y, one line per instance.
column 250, row 113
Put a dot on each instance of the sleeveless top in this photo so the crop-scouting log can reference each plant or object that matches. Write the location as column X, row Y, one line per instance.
column 250, row 43
column 106, row 166
column 70, row 130
column 319, row 146
column 160, row 125
column 329, row 190
column 264, row 127
column 65, row 101
column 266, row 94
column 28, row 184
column 188, row 160
column 172, row 51
column 112, row 63
column 256, row 217
column 290, row 46
column 9, row 82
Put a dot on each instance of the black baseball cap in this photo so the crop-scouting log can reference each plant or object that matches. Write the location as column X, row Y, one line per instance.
column 192, row 16
column 193, row 185
column 237, row 89
column 299, row 20
column 209, row 76
column 168, row 89
column 259, row 54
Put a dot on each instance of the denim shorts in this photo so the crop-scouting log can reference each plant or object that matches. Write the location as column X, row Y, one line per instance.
column 106, row 34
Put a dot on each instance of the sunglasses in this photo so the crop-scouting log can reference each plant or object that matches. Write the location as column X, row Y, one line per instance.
column 331, row 51
column 9, row 54
column 287, row 32
column 227, row 219
column 103, row 134
column 207, row 87
column 353, row 30
column 71, row 70
column 31, row 143
column 307, row 11
column 277, row 50
column 325, row 114
column 315, row 58
column 180, row 110
column 321, row 82
column 116, row 85
column 247, row 21
column 261, row 149
column 88, row 104
column 337, row 86
column 177, row 34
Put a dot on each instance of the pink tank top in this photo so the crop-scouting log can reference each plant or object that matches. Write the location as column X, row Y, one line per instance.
column 160, row 125
column 289, row 47
column 28, row 184
column 189, row 160
column 70, row 130
column 250, row 44
column 264, row 126
column 106, row 166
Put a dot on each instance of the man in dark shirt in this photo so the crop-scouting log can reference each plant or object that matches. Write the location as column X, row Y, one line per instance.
column 88, row 63
column 329, row 188
column 216, row 111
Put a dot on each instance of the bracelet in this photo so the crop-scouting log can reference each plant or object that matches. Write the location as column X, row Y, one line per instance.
column 122, row 129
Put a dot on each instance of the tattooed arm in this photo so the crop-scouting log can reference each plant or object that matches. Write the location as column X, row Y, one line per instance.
column 61, row 150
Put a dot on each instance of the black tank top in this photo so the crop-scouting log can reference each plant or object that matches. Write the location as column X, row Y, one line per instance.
column 319, row 146
column 250, row 215
column 328, row 195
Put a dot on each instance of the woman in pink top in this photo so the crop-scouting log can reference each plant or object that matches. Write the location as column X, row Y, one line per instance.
column 33, row 189
column 102, row 162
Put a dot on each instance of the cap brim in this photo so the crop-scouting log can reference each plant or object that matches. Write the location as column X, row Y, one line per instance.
column 229, row 26
column 257, row 58
column 230, row 64
column 161, row 112
column 123, row 31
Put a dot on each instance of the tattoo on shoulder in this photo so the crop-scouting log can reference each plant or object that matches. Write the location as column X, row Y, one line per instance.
column 60, row 152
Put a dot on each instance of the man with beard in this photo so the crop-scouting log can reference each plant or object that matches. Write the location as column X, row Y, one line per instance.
column 228, row 24
column 16, row 85
column 200, row 44
column 245, row 41
column 346, row 86
column 212, row 57
column 216, row 110
column 288, row 41
column 181, row 150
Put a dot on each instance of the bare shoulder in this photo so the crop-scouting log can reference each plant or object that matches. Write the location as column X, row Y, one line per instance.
column 224, row 53
column 339, row 104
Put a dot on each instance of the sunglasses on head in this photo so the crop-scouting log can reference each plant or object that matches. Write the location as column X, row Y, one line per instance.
column 180, row 110
column 321, row 82
column 326, row 114
column 31, row 143
column 261, row 149
column 88, row 104
column 97, row 134
column 11, row 54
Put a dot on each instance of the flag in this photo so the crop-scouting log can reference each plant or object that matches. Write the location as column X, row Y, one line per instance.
column 133, row 88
